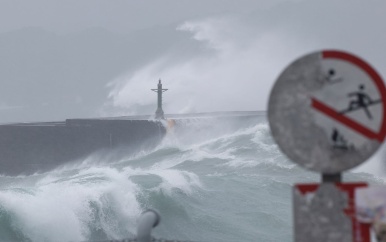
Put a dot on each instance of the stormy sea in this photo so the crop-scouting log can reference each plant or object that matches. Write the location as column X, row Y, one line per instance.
column 210, row 180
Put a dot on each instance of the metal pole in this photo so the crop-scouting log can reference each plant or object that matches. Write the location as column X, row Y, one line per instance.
column 337, row 177
column 160, row 94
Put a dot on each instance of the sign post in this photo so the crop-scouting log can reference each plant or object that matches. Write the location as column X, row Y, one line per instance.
column 327, row 114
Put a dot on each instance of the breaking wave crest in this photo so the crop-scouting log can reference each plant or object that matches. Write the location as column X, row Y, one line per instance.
column 229, row 184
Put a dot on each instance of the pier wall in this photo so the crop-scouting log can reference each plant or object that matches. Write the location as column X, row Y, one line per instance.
column 33, row 147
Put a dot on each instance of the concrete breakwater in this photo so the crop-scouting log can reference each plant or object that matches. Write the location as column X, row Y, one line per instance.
column 26, row 148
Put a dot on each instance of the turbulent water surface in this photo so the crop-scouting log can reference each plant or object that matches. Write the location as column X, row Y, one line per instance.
column 210, row 180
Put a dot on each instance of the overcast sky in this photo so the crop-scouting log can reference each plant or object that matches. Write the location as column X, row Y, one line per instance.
column 119, row 15
column 89, row 58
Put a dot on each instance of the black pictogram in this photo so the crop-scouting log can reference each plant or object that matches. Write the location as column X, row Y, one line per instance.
column 331, row 77
column 362, row 101
column 339, row 142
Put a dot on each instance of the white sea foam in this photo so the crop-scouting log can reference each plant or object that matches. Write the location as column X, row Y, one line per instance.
column 224, row 174
column 173, row 180
column 59, row 208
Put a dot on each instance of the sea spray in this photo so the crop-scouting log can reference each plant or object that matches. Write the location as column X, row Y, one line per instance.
column 210, row 180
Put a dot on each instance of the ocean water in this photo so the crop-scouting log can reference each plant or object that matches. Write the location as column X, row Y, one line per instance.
column 210, row 180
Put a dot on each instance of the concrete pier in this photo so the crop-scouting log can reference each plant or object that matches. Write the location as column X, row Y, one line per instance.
column 38, row 147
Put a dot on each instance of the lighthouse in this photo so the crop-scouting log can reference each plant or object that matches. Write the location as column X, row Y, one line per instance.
column 159, row 113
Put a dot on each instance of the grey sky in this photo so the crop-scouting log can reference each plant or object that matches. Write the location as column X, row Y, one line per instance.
column 67, row 59
column 119, row 15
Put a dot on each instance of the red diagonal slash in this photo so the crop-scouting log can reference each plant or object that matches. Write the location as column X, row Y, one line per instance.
column 323, row 108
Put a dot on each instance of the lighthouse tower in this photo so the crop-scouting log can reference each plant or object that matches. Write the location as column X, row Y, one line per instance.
column 159, row 113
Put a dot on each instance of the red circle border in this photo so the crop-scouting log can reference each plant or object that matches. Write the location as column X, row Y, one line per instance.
column 333, row 54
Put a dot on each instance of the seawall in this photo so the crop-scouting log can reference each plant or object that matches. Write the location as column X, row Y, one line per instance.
column 27, row 148
column 38, row 147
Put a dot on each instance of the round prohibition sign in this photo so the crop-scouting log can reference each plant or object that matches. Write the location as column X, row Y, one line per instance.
column 327, row 112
